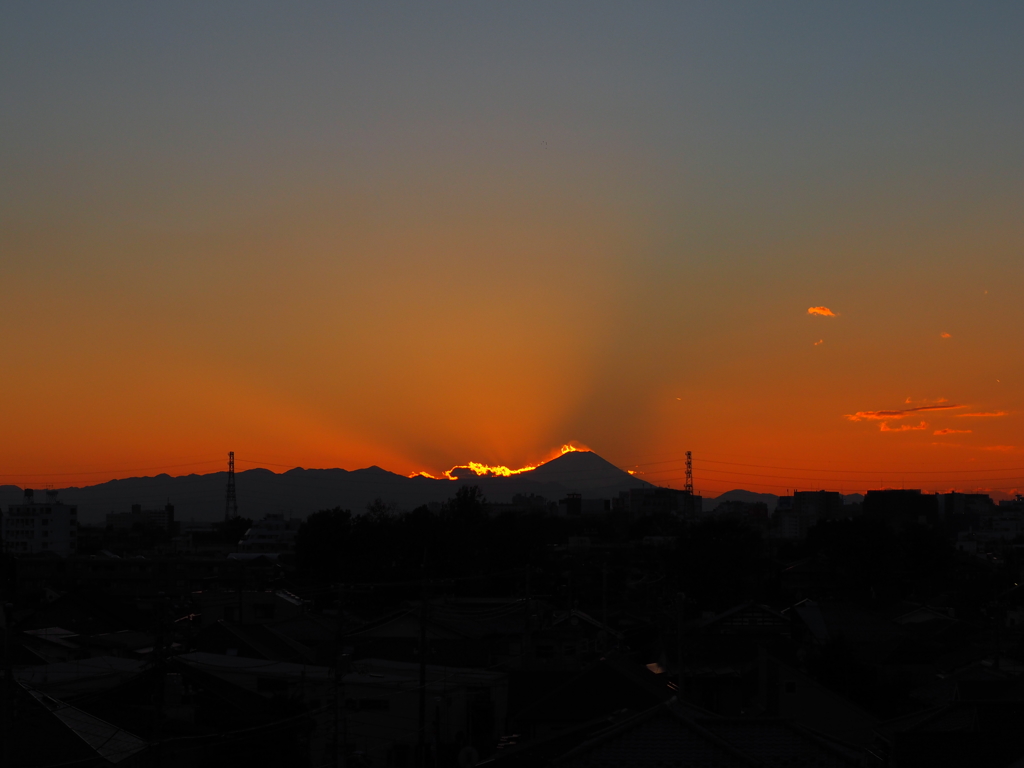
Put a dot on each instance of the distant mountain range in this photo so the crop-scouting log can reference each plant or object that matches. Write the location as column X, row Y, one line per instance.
column 298, row 492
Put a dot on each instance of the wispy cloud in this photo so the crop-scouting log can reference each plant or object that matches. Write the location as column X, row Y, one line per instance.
column 884, row 427
column 899, row 414
column 823, row 311
column 945, row 335
column 1000, row 448
column 818, row 342
column 948, row 431
column 982, row 415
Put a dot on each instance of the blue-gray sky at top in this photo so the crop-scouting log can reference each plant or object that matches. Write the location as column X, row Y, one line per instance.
column 725, row 166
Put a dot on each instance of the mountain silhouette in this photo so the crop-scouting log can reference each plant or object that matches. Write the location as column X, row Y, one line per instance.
column 585, row 472
column 299, row 491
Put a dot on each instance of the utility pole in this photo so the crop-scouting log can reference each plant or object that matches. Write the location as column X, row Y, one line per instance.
column 339, row 673
column 158, row 668
column 604, row 593
column 230, row 502
column 680, row 602
column 8, row 698
column 240, row 583
column 688, row 488
column 421, row 735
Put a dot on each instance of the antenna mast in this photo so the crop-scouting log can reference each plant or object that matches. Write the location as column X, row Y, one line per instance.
column 688, row 488
column 230, row 502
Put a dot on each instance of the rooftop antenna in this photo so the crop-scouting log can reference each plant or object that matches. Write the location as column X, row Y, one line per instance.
column 230, row 502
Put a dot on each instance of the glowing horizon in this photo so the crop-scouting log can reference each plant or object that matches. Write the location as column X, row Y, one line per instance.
column 443, row 240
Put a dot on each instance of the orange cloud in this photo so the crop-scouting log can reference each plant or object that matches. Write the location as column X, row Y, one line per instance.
column 982, row 415
column 819, row 341
column 823, row 311
column 945, row 335
column 948, row 431
column 1000, row 448
column 897, row 414
column 884, row 427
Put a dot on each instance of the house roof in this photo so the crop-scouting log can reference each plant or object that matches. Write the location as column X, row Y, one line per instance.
column 219, row 664
column 869, row 636
column 74, row 678
column 657, row 737
column 384, row 672
column 262, row 639
column 587, row 618
column 773, row 742
column 666, row 735
column 734, row 617
column 404, row 624
column 612, row 684
column 108, row 741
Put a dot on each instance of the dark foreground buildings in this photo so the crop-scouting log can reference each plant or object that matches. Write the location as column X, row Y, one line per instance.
column 640, row 631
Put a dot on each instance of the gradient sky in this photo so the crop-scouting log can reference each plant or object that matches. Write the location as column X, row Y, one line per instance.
column 327, row 234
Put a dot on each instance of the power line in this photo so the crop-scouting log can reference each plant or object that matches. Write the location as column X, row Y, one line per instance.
column 853, row 471
column 837, row 479
column 107, row 471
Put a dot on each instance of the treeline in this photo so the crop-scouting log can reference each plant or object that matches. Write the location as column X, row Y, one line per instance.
column 516, row 553
column 709, row 565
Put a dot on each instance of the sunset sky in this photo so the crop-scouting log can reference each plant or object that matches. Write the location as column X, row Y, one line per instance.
column 787, row 237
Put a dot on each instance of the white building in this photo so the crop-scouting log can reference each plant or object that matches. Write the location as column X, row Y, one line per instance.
column 271, row 534
column 44, row 526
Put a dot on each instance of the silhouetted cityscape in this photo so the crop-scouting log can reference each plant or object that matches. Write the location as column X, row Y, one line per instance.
column 511, row 384
column 885, row 629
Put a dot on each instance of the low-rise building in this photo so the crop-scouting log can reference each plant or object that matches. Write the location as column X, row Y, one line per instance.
column 161, row 518
column 272, row 534
column 651, row 500
column 40, row 526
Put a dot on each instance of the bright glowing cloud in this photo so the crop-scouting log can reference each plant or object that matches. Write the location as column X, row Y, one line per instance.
column 822, row 311
column 983, row 415
column 948, row 431
column 898, row 414
column 486, row 470
column 884, row 427
column 819, row 342
column 945, row 335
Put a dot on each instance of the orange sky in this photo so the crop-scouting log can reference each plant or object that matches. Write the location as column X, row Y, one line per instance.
column 328, row 240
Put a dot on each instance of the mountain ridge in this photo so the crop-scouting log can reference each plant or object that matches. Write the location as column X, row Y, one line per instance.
column 300, row 491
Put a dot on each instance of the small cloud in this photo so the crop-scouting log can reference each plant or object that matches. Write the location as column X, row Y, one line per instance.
column 819, row 342
column 884, row 427
column 823, row 311
column 1000, row 448
column 983, row 415
column 948, row 431
column 900, row 414
column 945, row 335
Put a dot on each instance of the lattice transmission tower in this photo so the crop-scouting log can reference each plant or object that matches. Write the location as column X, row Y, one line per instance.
column 230, row 502
column 688, row 499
